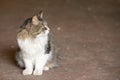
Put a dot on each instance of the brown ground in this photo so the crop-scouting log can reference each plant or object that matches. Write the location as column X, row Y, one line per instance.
column 88, row 32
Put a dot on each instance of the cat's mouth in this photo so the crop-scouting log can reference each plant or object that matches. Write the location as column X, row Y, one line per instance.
column 46, row 29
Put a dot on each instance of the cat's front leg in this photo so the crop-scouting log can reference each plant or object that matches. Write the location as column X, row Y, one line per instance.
column 38, row 71
column 28, row 67
column 39, row 66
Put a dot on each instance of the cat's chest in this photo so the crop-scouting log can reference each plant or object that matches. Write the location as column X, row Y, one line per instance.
column 32, row 46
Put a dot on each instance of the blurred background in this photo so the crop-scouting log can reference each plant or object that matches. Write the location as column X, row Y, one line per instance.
column 88, row 32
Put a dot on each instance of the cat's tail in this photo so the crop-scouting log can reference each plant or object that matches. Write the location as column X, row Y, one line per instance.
column 19, row 60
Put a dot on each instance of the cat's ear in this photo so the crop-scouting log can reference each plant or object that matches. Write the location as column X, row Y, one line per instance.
column 40, row 15
column 35, row 20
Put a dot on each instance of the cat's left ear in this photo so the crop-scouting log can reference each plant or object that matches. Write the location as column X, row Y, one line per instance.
column 40, row 14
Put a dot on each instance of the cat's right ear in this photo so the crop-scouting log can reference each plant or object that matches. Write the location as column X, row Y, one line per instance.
column 40, row 15
column 35, row 20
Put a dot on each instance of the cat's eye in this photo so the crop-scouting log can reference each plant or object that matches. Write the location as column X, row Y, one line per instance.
column 45, row 28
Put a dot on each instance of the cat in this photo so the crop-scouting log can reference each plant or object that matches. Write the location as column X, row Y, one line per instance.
column 36, row 52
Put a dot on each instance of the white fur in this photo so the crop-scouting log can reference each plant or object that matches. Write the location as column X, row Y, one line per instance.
column 33, row 52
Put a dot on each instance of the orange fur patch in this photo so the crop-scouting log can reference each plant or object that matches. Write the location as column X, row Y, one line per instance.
column 23, row 34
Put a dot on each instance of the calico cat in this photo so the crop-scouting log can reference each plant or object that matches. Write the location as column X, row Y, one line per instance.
column 36, row 51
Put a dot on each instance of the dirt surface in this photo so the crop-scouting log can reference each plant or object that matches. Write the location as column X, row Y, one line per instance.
column 88, row 32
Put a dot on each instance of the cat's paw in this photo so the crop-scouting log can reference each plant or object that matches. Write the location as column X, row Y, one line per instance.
column 46, row 68
column 27, row 72
column 37, row 72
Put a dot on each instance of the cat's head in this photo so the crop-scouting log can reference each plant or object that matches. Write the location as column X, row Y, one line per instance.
column 35, row 25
